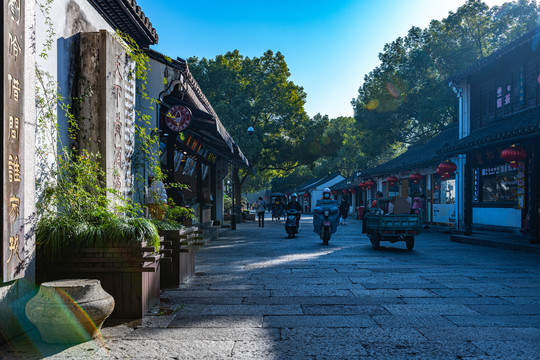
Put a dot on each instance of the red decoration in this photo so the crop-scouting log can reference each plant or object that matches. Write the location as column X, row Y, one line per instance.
column 441, row 174
column 369, row 184
column 514, row 154
column 447, row 169
column 362, row 185
column 416, row 177
column 352, row 190
column 306, row 195
column 392, row 180
column 178, row 118
column 334, row 192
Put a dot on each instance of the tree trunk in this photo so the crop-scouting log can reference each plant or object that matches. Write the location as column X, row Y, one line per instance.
column 237, row 183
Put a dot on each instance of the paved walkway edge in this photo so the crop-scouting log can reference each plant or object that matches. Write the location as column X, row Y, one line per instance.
column 495, row 243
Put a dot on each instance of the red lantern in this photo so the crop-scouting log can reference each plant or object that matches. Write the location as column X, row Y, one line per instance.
column 447, row 168
column 416, row 177
column 362, row 185
column 514, row 154
column 334, row 192
column 392, row 180
column 369, row 184
column 306, row 195
column 441, row 174
column 352, row 190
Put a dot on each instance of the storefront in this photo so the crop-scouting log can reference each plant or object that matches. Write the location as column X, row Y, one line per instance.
column 499, row 131
column 415, row 174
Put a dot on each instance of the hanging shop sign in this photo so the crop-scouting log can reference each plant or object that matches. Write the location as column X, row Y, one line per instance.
column 476, row 185
column 521, row 185
column 13, row 251
column 178, row 118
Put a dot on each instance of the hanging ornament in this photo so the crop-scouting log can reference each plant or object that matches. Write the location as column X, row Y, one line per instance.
column 514, row 155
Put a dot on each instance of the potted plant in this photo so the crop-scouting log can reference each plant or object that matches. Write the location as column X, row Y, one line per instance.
column 85, row 231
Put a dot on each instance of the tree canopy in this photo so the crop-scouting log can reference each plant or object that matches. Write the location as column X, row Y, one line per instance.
column 406, row 99
column 257, row 92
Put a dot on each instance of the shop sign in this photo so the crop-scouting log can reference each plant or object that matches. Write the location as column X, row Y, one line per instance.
column 487, row 157
column 476, row 185
column 13, row 251
column 521, row 185
column 178, row 118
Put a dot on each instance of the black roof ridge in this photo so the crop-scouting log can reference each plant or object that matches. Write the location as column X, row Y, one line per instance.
column 482, row 63
column 127, row 16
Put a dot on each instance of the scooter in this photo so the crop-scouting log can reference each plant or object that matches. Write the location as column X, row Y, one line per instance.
column 292, row 224
column 325, row 219
column 326, row 231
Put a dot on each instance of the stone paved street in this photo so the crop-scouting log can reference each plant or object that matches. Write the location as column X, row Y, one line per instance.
column 258, row 295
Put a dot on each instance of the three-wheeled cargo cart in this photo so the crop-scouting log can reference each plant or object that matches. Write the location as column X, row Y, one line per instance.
column 391, row 227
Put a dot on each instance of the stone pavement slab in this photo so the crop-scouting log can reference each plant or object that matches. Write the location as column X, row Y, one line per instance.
column 216, row 321
column 319, row 321
column 480, row 333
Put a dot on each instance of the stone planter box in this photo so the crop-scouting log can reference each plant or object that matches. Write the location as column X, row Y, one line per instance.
column 128, row 272
column 182, row 245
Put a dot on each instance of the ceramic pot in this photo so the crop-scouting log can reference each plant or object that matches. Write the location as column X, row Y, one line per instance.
column 70, row 311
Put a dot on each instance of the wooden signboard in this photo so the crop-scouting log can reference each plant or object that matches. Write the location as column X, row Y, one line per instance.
column 13, row 259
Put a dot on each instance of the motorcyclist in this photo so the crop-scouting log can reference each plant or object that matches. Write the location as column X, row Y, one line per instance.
column 323, row 205
column 294, row 205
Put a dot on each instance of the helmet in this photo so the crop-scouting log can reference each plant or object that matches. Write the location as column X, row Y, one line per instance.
column 293, row 195
column 327, row 190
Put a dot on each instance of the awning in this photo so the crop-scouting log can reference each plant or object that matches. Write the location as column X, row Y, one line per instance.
column 209, row 130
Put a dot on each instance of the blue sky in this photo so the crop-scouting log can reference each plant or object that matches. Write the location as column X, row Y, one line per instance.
column 329, row 45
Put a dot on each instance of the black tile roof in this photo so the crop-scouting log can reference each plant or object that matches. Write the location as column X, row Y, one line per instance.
column 417, row 156
column 316, row 182
column 127, row 16
column 513, row 128
column 528, row 39
column 342, row 185
column 212, row 129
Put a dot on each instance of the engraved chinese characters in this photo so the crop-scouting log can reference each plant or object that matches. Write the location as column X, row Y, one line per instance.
column 13, row 95
column 109, row 115
column 118, row 124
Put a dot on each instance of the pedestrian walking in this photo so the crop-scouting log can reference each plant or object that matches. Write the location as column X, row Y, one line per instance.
column 260, row 211
column 344, row 209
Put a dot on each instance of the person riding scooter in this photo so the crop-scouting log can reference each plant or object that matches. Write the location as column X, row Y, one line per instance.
column 293, row 204
column 293, row 209
column 326, row 216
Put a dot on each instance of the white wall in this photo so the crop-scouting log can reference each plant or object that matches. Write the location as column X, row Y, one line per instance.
column 506, row 217
column 316, row 193
column 69, row 18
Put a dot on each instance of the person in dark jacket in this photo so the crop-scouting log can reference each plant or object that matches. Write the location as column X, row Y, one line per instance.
column 261, row 208
column 295, row 205
column 344, row 209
